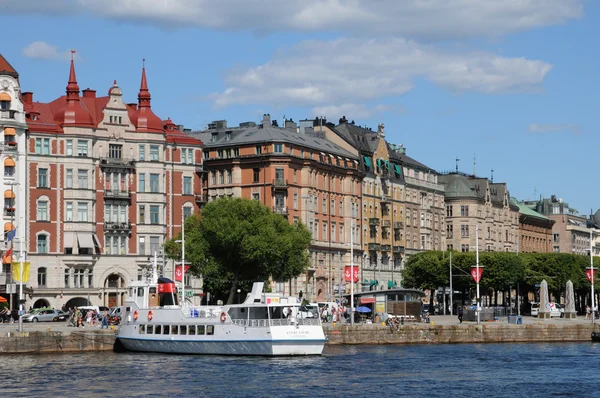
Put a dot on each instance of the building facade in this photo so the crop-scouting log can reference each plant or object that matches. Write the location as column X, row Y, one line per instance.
column 14, row 181
column 108, row 182
column 535, row 230
column 300, row 175
column 476, row 203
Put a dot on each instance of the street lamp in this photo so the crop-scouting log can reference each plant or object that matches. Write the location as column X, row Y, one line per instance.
column 476, row 272
column 590, row 273
column 238, row 292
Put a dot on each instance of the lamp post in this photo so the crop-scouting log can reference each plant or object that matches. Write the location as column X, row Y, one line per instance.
column 238, row 292
column 352, row 273
column 590, row 273
column 476, row 272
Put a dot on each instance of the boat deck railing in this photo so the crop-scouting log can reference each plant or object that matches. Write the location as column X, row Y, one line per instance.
column 276, row 322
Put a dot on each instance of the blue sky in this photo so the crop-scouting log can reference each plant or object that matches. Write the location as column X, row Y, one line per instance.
column 510, row 82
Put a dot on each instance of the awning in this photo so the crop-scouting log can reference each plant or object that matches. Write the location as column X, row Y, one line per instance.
column 96, row 241
column 355, row 161
column 367, row 300
column 9, row 131
column 378, row 162
column 9, row 162
column 8, row 226
column 8, row 194
column 387, row 164
column 398, row 170
column 367, row 161
column 331, row 156
column 5, row 97
column 85, row 241
column 68, row 240
column 322, row 154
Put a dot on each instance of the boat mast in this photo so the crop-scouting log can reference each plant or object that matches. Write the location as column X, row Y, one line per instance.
column 154, row 268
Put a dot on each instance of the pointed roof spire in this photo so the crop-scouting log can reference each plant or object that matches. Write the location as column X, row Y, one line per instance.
column 144, row 95
column 72, row 87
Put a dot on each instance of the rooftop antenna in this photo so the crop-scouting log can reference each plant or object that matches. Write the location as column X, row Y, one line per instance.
column 534, row 193
column 474, row 165
column 492, row 175
column 73, row 55
column 143, row 62
column 457, row 160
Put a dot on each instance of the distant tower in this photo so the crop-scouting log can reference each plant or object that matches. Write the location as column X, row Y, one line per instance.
column 492, row 175
column 474, row 165
column 457, row 160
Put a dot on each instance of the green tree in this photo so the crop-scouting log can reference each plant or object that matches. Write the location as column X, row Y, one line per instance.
column 237, row 241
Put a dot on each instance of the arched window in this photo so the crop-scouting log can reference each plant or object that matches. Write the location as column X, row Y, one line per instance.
column 43, row 208
column 42, row 243
column 188, row 210
column 42, row 276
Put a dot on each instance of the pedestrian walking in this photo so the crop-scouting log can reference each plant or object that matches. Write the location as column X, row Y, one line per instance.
column 588, row 312
column 104, row 320
column 460, row 314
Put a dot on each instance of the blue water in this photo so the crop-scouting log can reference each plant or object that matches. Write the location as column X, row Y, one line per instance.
column 490, row 370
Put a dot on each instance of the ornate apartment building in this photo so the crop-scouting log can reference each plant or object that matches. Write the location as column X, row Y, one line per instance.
column 535, row 230
column 108, row 183
column 473, row 202
column 300, row 175
column 14, row 182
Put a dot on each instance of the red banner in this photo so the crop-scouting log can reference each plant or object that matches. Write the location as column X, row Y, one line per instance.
column 178, row 272
column 476, row 273
column 590, row 274
column 347, row 273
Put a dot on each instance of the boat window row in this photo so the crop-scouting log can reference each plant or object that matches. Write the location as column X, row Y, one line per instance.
column 178, row 330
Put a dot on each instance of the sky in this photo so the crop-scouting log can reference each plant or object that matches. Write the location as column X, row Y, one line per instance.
column 507, row 84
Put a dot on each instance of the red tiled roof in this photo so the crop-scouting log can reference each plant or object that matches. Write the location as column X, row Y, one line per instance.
column 175, row 136
column 6, row 68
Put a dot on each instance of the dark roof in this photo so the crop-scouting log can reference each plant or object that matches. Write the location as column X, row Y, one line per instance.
column 6, row 68
column 360, row 137
column 258, row 134
column 458, row 186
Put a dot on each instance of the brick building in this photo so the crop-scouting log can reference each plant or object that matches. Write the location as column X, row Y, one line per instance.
column 109, row 182
column 535, row 230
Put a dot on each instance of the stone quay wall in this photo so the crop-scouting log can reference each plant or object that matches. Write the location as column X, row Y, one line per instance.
column 13, row 342
column 449, row 334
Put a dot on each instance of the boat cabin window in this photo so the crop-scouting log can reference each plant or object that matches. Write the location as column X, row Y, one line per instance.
column 200, row 330
column 173, row 329
column 258, row 313
column 150, row 329
column 142, row 329
column 157, row 329
column 140, row 292
column 281, row 312
column 238, row 313
column 210, row 330
column 191, row 330
column 182, row 330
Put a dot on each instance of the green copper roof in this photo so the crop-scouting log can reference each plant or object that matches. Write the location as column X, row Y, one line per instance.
column 523, row 209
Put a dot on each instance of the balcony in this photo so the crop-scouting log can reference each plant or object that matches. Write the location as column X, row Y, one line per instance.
column 117, row 163
column 398, row 249
column 398, row 225
column 117, row 194
column 201, row 198
column 8, row 114
column 374, row 246
column 386, row 199
column 386, row 248
column 283, row 210
column 373, row 221
column 386, row 223
column 280, row 184
column 117, row 226
column 10, row 146
column 200, row 169
column 9, row 211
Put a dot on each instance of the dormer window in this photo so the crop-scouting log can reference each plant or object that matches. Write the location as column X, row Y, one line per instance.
column 278, row 148
column 228, row 136
column 213, row 137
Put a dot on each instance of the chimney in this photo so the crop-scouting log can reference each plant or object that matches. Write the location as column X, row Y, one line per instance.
column 180, row 127
column 133, row 105
column 27, row 97
column 266, row 122
column 343, row 120
column 88, row 93
column 289, row 124
column 381, row 130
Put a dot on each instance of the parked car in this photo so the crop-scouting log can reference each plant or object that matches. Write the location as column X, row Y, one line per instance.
column 556, row 310
column 41, row 315
column 61, row 316
column 535, row 308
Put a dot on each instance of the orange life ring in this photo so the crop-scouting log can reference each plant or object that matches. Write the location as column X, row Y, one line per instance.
column 136, row 314
column 150, row 315
column 223, row 317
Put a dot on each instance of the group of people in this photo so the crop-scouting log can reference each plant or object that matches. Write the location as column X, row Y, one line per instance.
column 77, row 316
column 5, row 315
column 332, row 314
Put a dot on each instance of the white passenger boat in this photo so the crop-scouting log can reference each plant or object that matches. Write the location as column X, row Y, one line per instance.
column 264, row 324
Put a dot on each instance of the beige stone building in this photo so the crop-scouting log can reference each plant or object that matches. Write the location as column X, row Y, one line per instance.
column 473, row 202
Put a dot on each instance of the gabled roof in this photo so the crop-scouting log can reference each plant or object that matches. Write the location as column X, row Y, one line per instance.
column 6, row 68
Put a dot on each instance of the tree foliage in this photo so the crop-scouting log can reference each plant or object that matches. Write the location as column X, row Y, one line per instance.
column 236, row 241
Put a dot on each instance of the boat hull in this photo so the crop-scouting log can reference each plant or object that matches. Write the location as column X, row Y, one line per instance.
column 258, row 348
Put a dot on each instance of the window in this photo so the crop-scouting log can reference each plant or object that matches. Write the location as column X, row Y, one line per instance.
column 187, row 185
column 213, row 178
column 42, row 210
column 142, row 178
column 69, row 147
column 464, row 248
column 42, row 146
column 258, row 149
column 255, row 175
column 115, row 151
column 42, row 178
column 141, row 245
column 69, row 182
column 333, row 237
column 229, row 177
column 278, row 148
column 82, row 211
column 41, row 276
column 142, row 152
column 154, row 153
column 214, row 137
column 190, row 156
column 154, row 183
column 82, row 179
column 255, row 196
column 221, row 177
column 142, row 214
column 154, row 211
column 324, row 206
column 341, row 233
column 449, row 230
column 464, row 211
column 341, row 207
column 464, row 231
column 236, row 152
column 187, row 212
column 42, row 243
column 154, row 244
column 206, row 154
column 449, row 211
column 82, row 148
column 324, row 237
column 295, row 200
column 69, row 211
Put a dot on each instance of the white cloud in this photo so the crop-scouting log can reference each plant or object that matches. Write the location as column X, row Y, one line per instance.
column 431, row 19
column 573, row 129
column 319, row 74
column 43, row 50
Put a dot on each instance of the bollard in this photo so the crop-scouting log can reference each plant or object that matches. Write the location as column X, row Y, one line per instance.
column 20, row 323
